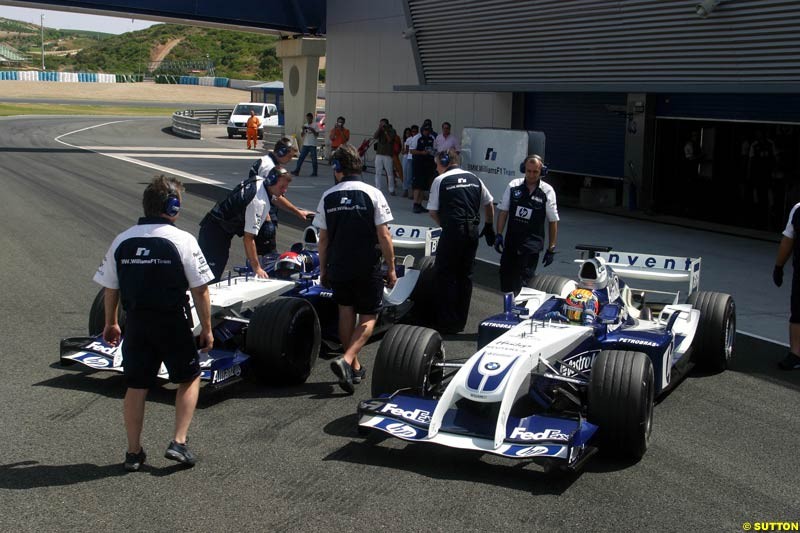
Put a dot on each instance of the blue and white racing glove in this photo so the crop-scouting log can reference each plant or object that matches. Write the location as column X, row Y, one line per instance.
column 555, row 315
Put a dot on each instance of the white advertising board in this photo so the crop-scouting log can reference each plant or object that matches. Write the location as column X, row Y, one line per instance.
column 494, row 155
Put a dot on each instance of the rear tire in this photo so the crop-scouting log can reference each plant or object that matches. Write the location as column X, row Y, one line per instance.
column 423, row 295
column 716, row 332
column 405, row 360
column 620, row 400
column 97, row 315
column 552, row 284
column 283, row 340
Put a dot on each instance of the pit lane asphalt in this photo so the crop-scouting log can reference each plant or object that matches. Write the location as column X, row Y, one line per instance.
column 723, row 450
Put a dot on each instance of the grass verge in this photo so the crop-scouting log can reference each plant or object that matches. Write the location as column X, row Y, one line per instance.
column 7, row 110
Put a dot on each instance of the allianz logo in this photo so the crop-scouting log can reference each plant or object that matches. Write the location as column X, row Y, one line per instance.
column 227, row 373
column 417, row 415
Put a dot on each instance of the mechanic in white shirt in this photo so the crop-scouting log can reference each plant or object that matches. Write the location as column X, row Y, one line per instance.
column 790, row 247
column 149, row 267
column 310, row 133
column 352, row 218
column 456, row 200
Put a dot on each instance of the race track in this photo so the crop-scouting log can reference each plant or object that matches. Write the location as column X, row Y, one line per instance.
column 723, row 450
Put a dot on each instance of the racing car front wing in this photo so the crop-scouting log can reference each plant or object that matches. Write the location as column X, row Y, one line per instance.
column 218, row 368
column 532, row 437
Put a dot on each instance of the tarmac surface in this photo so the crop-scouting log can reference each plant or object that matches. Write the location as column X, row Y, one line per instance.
column 289, row 459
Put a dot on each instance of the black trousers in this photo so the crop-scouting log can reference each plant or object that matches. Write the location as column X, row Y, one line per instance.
column 215, row 243
column 516, row 270
column 455, row 257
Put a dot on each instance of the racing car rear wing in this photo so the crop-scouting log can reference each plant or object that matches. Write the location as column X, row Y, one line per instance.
column 415, row 237
column 648, row 267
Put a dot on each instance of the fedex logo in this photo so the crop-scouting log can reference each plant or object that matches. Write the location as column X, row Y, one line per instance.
column 417, row 414
column 548, row 434
column 491, row 155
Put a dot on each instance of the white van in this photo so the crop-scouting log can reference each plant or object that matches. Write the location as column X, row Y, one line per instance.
column 237, row 124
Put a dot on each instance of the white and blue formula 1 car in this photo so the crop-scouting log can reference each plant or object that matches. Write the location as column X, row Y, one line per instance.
column 550, row 391
column 272, row 328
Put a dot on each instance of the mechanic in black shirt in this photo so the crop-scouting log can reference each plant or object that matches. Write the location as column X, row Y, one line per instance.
column 455, row 203
column 423, row 165
column 352, row 218
column 527, row 203
column 245, row 211
column 149, row 267
column 282, row 153
column 790, row 247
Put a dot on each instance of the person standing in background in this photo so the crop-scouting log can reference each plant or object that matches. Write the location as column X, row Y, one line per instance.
column 252, row 130
column 310, row 134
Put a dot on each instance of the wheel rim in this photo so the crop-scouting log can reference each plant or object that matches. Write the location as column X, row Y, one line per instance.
column 730, row 334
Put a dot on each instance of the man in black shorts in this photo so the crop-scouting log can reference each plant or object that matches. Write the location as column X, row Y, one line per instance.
column 352, row 218
column 149, row 267
column 424, row 166
column 790, row 247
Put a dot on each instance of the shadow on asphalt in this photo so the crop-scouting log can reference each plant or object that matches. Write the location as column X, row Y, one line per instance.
column 16, row 149
column 25, row 475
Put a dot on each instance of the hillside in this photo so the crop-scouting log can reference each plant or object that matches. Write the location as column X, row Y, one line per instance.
column 232, row 54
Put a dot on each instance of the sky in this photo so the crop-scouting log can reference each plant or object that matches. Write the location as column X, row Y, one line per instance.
column 74, row 21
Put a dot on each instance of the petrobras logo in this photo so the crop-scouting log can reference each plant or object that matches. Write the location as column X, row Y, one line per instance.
column 501, row 325
column 418, row 415
column 401, row 430
column 532, row 451
column 98, row 346
column 491, row 366
column 225, row 374
column 638, row 342
column 521, row 433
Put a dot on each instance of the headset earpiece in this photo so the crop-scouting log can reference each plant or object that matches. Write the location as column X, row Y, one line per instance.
column 336, row 164
column 172, row 203
column 283, row 148
column 274, row 174
column 444, row 158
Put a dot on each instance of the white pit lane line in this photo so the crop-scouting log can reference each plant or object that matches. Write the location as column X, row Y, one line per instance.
column 159, row 168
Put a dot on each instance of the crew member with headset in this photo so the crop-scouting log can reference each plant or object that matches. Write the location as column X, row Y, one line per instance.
column 455, row 203
column 265, row 240
column 352, row 218
column 527, row 202
column 245, row 210
column 149, row 267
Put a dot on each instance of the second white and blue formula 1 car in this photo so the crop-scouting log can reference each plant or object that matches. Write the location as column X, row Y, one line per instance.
column 549, row 390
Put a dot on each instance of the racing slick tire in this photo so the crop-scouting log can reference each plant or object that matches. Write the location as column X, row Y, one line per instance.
column 714, row 340
column 283, row 340
column 423, row 294
column 552, row 284
column 405, row 360
column 97, row 314
column 620, row 397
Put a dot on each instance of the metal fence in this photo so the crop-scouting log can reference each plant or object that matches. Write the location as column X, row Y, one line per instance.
column 189, row 122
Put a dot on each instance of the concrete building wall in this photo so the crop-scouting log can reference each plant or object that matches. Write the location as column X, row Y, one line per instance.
column 367, row 57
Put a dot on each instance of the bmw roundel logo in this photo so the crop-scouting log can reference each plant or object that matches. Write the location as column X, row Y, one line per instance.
column 517, row 194
column 491, row 366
